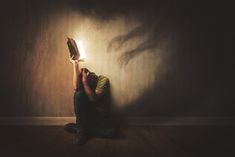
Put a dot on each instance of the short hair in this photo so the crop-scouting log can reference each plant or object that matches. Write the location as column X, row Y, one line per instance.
column 85, row 69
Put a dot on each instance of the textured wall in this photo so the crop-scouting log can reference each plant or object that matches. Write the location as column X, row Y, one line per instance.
column 162, row 59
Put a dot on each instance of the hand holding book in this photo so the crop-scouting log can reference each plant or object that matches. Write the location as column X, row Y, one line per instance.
column 72, row 60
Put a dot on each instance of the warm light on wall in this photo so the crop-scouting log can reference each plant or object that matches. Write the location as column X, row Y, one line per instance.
column 93, row 38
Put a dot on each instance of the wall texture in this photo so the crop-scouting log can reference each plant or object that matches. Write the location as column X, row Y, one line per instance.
column 163, row 59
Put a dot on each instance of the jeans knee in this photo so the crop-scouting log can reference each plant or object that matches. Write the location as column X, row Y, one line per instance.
column 79, row 97
column 78, row 94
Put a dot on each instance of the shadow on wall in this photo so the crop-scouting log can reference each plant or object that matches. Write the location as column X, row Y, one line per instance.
column 152, row 15
column 195, row 84
column 156, row 35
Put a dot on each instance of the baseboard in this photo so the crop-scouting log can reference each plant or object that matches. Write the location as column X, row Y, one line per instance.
column 36, row 120
column 131, row 121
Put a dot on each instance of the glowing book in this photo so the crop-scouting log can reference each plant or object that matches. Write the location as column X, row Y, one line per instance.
column 73, row 49
column 76, row 49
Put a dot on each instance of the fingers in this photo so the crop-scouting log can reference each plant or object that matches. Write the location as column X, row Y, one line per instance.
column 83, row 72
column 72, row 57
column 72, row 60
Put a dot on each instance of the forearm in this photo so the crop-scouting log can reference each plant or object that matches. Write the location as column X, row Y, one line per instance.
column 76, row 79
column 89, row 92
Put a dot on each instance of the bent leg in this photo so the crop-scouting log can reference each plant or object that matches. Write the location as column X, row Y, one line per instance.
column 80, row 103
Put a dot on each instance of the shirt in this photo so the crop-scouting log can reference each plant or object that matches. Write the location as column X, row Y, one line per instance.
column 100, row 83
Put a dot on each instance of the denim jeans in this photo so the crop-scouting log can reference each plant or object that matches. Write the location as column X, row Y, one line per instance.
column 80, row 108
column 86, row 114
column 89, row 118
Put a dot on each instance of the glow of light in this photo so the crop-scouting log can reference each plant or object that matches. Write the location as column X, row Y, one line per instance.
column 81, row 50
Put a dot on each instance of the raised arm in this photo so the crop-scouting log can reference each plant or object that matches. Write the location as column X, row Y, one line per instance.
column 76, row 73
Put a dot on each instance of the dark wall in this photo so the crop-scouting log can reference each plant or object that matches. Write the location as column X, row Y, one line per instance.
column 199, row 79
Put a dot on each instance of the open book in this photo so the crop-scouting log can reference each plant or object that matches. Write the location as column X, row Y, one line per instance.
column 76, row 49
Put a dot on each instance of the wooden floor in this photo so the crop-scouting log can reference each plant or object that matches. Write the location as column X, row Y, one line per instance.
column 161, row 141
